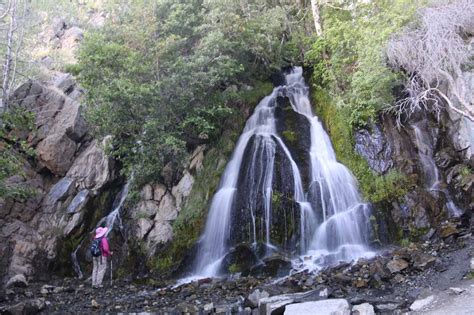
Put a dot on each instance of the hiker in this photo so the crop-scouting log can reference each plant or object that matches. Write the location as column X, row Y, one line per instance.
column 100, row 252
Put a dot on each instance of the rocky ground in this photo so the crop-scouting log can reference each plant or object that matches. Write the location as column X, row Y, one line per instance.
column 434, row 273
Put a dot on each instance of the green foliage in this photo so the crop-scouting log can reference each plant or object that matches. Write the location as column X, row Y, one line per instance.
column 405, row 242
column 349, row 59
column 234, row 268
column 374, row 187
column 14, row 150
column 156, row 76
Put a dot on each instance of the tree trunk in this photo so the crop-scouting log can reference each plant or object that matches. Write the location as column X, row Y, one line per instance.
column 315, row 8
column 8, row 58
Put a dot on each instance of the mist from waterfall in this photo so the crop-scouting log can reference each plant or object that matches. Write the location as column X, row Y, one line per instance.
column 334, row 222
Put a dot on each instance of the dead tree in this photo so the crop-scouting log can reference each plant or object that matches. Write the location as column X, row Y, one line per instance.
column 432, row 53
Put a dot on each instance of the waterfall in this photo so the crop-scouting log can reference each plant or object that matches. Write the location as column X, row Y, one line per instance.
column 431, row 176
column 109, row 220
column 333, row 223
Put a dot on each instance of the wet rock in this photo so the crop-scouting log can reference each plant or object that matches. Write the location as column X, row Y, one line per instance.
column 397, row 265
column 18, row 281
column 472, row 264
column 254, row 298
column 422, row 303
column 374, row 148
column 363, row 309
column 326, row 307
column 240, row 259
column 275, row 265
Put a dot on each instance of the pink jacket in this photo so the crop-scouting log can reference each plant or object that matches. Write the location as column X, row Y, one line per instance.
column 104, row 246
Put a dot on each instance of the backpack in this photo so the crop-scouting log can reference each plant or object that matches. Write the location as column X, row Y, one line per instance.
column 96, row 250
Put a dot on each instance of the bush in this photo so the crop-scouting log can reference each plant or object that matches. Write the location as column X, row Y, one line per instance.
column 349, row 60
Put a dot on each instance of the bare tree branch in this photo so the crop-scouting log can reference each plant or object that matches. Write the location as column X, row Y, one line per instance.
column 433, row 52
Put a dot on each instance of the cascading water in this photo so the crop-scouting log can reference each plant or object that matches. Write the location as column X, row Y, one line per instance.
column 333, row 222
column 109, row 220
column 432, row 179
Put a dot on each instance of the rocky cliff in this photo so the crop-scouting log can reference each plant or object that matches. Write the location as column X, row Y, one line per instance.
column 436, row 155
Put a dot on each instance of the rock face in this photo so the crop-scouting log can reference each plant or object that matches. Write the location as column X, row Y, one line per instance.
column 435, row 154
column 375, row 148
column 68, row 177
column 152, row 217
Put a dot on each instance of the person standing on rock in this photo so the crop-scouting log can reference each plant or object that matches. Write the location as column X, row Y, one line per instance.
column 100, row 251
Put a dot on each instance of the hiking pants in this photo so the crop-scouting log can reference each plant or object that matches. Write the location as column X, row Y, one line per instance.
column 98, row 271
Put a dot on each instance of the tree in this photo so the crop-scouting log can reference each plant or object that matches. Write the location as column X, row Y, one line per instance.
column 430, row 53
column 315, row 8
column 13, row 13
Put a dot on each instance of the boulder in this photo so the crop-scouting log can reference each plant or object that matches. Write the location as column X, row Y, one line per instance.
column 92, row 169
column 363, row 309
column 197, row 158
column 326, row 307
column 59, row 192
column 143, row 226
column 254, row 298
column 277, row 303
column 448, row 229
column 183, row 189
column 147, row 193
column 78, row 202
column 148, row 208
column 167, row 208
column 396, row 265
column 423, row 261
column 161, row 232
column 70, row 120
column 17, row 281
column 159, row 190
column 422, row 303
column 56, row 152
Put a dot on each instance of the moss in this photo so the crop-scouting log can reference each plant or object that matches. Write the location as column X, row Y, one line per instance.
column 404, row 242
column 417, row 233
column 374, row 187
column 234, row 268
column 290, row 136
